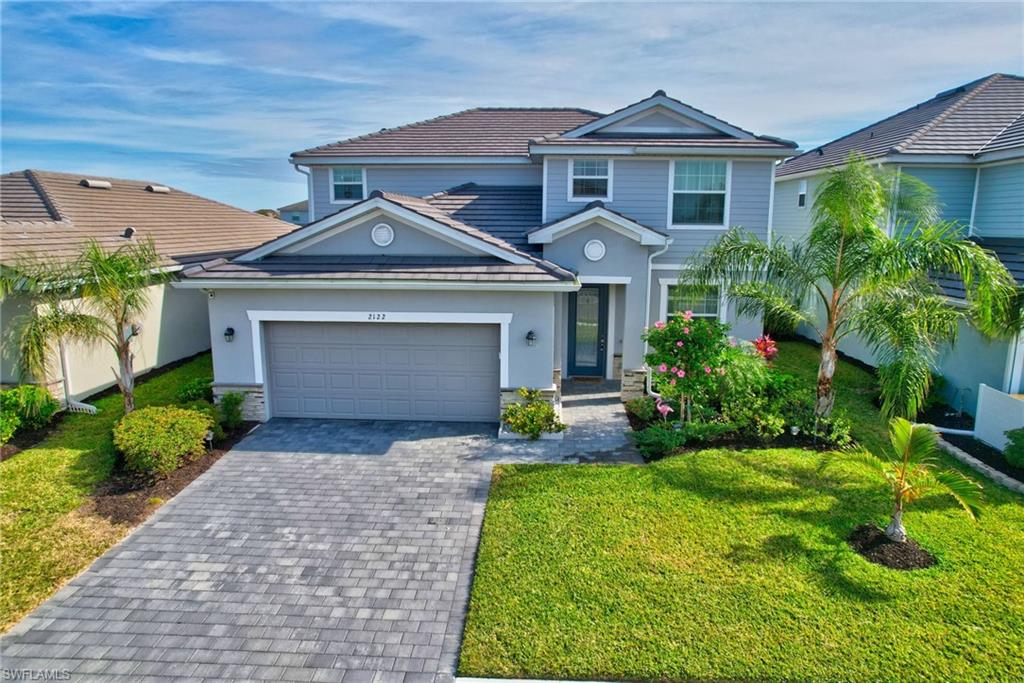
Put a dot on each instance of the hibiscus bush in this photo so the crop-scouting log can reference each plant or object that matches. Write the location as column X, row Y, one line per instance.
column 688, row 360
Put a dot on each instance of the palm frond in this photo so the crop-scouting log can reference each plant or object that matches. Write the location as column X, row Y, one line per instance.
column 966, row 491
column 39, row 332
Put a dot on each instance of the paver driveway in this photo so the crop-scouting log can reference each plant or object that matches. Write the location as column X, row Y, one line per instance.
column 347, row 556
column 315, row 550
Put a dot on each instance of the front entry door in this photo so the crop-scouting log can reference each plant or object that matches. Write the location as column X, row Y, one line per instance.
column 588, row 331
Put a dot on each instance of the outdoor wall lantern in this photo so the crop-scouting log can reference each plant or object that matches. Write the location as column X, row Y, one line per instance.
column 229, row 334
column 531, row 337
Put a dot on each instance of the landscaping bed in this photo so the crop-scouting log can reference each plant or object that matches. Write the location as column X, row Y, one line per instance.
column 49, row 525
column 985, row 453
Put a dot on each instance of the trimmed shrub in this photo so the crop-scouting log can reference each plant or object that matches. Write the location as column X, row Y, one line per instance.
column 9, row 424
column 532, row 417
column 196, row 389
column 230, row 406
column 643, row 408
column 33, row 406
column 660, row 440
column 1015, row 448
column 156, row 440
column 211, row 411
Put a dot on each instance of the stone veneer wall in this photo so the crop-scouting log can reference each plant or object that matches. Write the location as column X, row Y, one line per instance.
column 552, row 395
column 633, row 383
column 617, row 366
column 252, row 406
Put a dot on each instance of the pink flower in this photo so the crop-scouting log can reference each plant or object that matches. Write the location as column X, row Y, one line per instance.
column 732, row 343
column 660, row 325
column 674, row 370
column 673, row 382
column 679, row 343
column 688, row 315
column 662, row 368
column 686, row 330
column 707, row 370
column 681, row 374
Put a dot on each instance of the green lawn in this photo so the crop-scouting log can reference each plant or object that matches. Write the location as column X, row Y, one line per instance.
column 44, row 538
column 725, row 565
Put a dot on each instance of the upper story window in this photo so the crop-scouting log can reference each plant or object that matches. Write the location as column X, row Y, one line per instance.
column 704, row 302
column 801, row 194
column 348, row 184
column 700, row 193
column 590, row 179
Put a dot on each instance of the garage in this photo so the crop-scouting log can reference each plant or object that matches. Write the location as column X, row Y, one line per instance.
column 383, row 371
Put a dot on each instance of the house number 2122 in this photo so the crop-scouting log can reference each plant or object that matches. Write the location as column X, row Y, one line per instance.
column 376, row 316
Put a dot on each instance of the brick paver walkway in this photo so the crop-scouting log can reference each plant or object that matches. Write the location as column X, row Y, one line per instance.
column 313, row 551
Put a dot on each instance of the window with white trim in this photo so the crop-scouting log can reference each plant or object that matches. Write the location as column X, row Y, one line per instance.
column 703, row 302
column 699, row 189
column 801, row 194
column 590, row 179
column 347, row 184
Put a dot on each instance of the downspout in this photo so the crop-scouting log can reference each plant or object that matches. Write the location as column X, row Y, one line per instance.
column 310, row 213
column 647, row 312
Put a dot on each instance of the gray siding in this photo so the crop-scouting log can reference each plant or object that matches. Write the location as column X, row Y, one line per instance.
column 791, row 223
column 409, row 241
column 640, row 190
column 973, row 360
column 954, row 189
column 1000, row 210
column 423, row 180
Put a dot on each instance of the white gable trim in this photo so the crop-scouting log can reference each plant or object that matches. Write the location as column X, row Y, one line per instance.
column 389, row 207
column 667, row 103
column 686, row 124
column 604, row 217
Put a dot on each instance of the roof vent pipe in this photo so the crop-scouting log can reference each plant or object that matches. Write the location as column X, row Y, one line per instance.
column 91, row 182
column 159, row 189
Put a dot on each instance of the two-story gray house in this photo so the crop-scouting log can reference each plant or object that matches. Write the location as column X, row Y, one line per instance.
column 967, row 143
column 450, row 261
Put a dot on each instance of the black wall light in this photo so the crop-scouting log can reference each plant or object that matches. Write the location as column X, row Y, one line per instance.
column 531, row 337
column 229, row 334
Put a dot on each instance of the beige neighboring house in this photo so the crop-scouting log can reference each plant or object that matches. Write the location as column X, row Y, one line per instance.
column 52, row 215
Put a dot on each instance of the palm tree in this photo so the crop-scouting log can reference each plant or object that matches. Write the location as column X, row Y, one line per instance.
column 912, row 472
column 850, row 275
column 96, row 298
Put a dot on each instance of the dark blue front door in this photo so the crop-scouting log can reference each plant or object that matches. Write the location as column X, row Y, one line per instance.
column 588, row 331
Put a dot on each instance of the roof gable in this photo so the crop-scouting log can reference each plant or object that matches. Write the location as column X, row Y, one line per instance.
column 597, row 212
column 664, row 105
column 413, row 211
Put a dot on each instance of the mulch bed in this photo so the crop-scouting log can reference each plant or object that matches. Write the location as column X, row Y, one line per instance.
column 872, row 543
column 942, row 415
column 128, row 498
column 985, row 453
column 25, row 440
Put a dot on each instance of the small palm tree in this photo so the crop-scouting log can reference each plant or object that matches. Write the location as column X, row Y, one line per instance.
column 849, row 275
column 912, row 472
column 97, row 298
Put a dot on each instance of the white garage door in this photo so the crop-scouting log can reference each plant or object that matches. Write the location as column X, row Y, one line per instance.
column 386, row 371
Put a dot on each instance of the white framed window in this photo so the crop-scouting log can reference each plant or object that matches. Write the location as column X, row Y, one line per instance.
column 705, row 302
column 699, row 193
column 348, row 184
column 590, row 179
column 801, row 194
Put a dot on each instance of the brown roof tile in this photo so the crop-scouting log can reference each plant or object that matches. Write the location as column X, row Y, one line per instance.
column 473, row 132
column 64, row 215
column 977, row 117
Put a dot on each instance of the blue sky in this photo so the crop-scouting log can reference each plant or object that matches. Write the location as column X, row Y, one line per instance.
column 212, row 97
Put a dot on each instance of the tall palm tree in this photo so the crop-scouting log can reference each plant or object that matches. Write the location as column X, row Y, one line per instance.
column 912, row 472
column 851, row 275
column 97, row 298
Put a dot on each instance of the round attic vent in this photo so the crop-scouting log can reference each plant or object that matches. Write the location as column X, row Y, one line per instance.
column 382, row 234
column 594, row 250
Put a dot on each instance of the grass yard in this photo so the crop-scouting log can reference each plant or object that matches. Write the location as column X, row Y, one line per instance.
column 725, row 565
column 45, row 539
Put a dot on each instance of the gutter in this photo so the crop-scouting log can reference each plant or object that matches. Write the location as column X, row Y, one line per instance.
column 309, row 190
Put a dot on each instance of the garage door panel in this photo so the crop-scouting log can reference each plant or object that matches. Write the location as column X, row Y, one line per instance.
column 383, row 371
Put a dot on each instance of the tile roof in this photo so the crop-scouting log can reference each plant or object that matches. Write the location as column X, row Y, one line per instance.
column 506, row 212
column 981, row 116
column 388, row 268
column 1010, row 251
column 301, row 205
column 53, row 214
column 596, row 204
column 473, row 132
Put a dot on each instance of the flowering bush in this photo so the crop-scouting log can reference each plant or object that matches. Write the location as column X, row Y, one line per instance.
column 766, row 348
column 687, row 359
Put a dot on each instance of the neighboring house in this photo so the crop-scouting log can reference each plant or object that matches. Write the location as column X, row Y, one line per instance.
column 297, row 213
column 52, row 215
column 450, row 261
column 968, row 145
